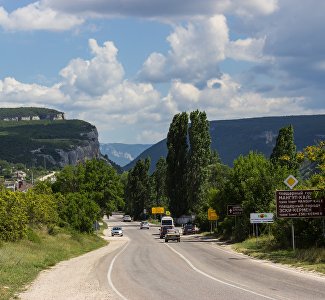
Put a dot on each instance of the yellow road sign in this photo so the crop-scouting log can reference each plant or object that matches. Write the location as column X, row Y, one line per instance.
column 212, row 215
column 157, row 210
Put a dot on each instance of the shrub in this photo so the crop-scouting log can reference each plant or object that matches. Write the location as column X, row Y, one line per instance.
column 13, row 217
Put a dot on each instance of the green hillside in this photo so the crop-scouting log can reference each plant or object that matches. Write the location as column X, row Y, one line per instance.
column 26, row 141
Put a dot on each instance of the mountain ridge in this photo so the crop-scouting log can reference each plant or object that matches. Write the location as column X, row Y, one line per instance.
column 231, row 138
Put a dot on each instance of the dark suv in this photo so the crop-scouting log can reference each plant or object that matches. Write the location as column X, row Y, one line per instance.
column 189, row 229
column 163, row 230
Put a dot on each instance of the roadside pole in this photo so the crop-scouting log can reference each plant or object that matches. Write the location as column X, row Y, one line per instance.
column 293, row 235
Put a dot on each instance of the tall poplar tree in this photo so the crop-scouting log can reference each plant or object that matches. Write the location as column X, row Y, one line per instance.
column 177, row 165
column 285, row 153
column 199, row 157
column 137, row 191
column 160, row 184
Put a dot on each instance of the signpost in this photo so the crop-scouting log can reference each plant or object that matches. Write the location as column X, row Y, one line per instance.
column 234, row 210
column 299, row 204
column 256, row 218
column 212, row 216
column 157, row 210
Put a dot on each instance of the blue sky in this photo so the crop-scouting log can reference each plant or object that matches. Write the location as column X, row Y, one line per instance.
column 128, row 66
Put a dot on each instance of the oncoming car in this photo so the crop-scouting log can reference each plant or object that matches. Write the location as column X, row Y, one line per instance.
column 117, row 231
column 127, row 218
column 144, row 224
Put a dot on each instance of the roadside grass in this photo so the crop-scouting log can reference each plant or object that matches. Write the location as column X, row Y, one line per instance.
column 20, row 262
column 312, row 259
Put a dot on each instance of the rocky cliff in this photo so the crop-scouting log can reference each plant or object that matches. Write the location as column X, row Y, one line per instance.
column 88, row 150
column 48, row 143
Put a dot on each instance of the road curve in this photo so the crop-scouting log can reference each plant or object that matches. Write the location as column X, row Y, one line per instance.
column 139, row 265
column 199, row 268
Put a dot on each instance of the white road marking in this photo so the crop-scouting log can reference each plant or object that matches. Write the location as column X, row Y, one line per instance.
column 110, row 273
column 215, row 279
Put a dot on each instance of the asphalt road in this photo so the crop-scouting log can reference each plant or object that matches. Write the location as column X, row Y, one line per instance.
column 146, row 267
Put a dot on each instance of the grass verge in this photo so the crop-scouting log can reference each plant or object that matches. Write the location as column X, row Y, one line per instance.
column 312, row 259
column 20, row 262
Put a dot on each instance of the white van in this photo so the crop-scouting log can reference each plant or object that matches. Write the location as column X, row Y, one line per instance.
column 167, row 221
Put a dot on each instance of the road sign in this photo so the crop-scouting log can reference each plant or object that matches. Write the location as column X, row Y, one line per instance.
column 157, row 210
column 299, row 204
column 212, row 215
column 234, row 210
column 291, row 182
column 261, row 218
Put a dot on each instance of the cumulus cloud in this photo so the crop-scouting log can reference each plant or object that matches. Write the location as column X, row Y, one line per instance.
column 15, row 93
column 250, row 49
column 196, row 51
column 95, row 76
column 36, row 16
column 224, row 98
column 187, row 59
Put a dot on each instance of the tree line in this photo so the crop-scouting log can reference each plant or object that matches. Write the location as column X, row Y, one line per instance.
column 190, row 180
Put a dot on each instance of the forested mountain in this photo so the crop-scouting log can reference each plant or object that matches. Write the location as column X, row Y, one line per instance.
column 232, row 138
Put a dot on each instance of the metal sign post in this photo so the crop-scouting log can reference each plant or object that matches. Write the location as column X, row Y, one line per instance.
column 293, row 236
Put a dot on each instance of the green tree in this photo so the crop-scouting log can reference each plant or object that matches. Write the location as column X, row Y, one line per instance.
column 251, row 184
column 78, row 211
column 95, row 178
column 285, row 152
column 138, row 189
column 177, row 165
column 199, row 158
column 159, row 183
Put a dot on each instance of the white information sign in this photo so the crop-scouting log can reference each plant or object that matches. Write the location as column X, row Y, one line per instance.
column 261, row 218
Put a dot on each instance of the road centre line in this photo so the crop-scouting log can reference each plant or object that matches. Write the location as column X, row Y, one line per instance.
column 215, row 279
column 109, row 273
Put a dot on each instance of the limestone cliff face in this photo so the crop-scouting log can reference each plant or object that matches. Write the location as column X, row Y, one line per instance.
column 85, row 149
column 89, row 149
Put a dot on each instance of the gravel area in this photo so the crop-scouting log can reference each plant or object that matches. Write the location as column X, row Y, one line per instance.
column 77, row 278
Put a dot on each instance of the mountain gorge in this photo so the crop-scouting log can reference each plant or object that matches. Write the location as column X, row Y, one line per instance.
column 122, row 154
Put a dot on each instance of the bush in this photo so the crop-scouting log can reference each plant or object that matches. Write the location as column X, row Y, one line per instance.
column 13, row 217
column 78, row 211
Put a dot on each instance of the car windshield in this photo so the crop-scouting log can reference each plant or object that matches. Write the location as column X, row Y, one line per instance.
column 117, row 228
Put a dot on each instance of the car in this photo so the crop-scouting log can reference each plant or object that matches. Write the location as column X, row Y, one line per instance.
column 117, row 231
column 172, row 235
column 127, row 218
column 144, row 224
column 163, row 230
column 189, row 229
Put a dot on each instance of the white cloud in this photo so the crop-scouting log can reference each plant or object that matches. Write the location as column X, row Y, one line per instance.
column 15, row 93
column 36, row 16
column 196, row 49
column 228, row 101
column 249, row 49
column 94, row 77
